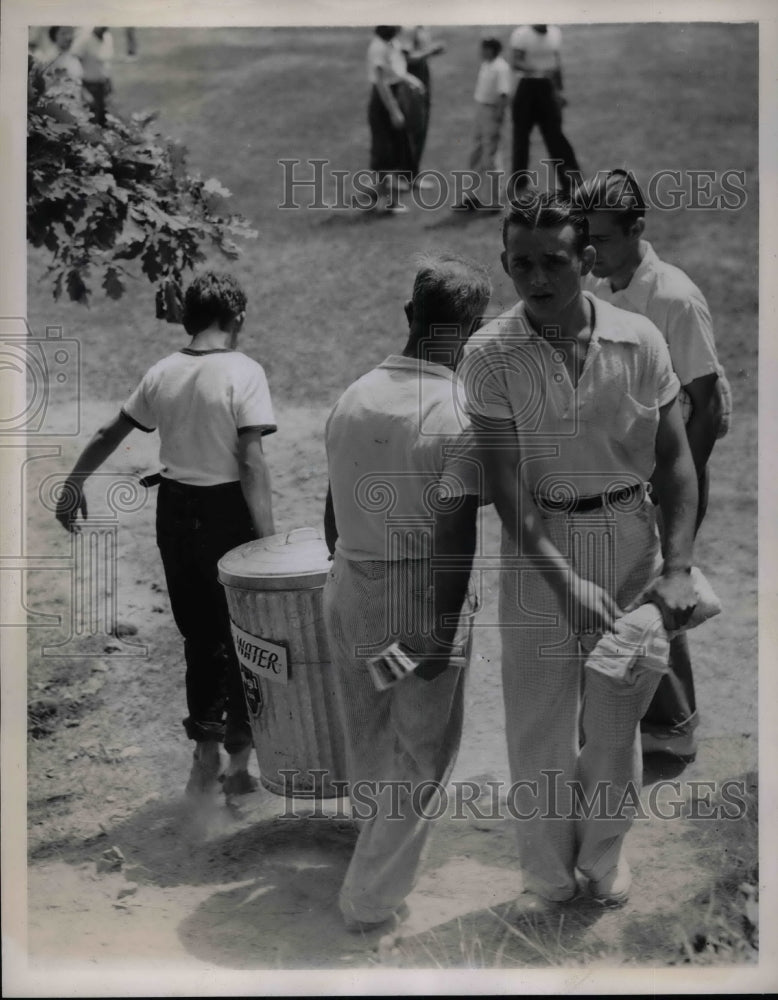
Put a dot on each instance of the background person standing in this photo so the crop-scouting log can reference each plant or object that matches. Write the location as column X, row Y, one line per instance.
column 418, row 46
column 94, row 47
column 492, row 93
column 538, row 100
column 390, row 151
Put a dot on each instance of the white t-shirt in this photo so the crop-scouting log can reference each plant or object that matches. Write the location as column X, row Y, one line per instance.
column 494, row 79
column 394, row 437
column 387, row 56
column 200, row 402
column 540, row 51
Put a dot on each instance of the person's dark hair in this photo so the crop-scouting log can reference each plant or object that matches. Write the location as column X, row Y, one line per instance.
column 386, row 32
column 212, row 297
column 449, row 290
column 614, row 191
column 53, row 32
column 535, row 210
column 493, row 44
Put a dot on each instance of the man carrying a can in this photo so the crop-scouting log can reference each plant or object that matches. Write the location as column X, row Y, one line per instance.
column 211, row 405
column 401, row 522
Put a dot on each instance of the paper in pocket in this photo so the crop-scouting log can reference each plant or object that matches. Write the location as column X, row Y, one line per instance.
column 390, row 666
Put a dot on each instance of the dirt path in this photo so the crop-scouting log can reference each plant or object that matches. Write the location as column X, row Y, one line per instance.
column 216, row 889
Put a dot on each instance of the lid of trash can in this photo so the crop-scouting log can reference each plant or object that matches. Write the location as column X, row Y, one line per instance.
column 292, row 560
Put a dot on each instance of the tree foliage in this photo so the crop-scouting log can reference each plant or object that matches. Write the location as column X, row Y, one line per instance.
column 104, row 199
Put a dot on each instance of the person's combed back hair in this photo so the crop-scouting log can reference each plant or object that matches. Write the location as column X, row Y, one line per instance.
column 212, row 297
column 449, row 289
column 614, row 191
column 546, row 210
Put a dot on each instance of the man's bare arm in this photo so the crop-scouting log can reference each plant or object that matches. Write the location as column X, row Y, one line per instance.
column 675, row 483
column 255, row 481
column 703, row 424
column 104, row 443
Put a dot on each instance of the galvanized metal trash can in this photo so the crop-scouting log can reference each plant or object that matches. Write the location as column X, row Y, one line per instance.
column 274, row 591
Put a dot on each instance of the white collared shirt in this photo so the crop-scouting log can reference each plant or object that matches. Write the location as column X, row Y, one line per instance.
column 675, row 305
column 394, row 437
column 494, row 79
column 541, row 52
column 593, row 438
column 389, row 58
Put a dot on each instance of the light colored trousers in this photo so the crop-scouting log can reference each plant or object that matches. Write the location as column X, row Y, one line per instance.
column 408, row 734
column 549, row 704
column 486, row 142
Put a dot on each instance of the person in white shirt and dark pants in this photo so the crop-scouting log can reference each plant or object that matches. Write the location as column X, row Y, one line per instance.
column 538, row 100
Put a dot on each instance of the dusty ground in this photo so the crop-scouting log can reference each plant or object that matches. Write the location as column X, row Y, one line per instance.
column 254, row 889
column 218, row 892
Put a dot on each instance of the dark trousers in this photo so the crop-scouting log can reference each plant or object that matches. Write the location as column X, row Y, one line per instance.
column 536, row 103
column 417, row 111
column 390, row 150
column 196, row 526
column 98, row 91
column 674, row 703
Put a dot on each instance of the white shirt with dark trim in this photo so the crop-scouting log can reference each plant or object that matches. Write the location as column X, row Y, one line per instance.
column 397, row 438
column 200, row 402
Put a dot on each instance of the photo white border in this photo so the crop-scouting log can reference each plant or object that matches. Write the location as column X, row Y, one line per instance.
column 61, row 979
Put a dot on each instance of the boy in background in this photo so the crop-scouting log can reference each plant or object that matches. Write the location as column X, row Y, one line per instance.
column 492, row 92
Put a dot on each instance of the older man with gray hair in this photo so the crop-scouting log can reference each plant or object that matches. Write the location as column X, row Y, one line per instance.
column 401, row 522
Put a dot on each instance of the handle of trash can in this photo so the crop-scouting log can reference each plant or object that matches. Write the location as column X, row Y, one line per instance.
column 295, row 531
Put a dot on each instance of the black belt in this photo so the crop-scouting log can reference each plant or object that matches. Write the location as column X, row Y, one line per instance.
column 571, row 504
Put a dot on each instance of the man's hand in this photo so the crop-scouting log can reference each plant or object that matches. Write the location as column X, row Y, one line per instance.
column 71, row 501
column 415, row 83
column 591, row 609
column 674, row 595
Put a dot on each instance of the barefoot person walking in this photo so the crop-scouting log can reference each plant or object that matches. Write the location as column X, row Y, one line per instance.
column 211, row 405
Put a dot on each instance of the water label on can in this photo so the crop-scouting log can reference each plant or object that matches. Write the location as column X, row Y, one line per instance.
column 267, row 660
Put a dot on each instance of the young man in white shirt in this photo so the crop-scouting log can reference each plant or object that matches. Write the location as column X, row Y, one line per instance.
column 629, row 274
column 573, row 404
column 492, row 93
column 211, row 405
column 401, row 521
column 538, row 100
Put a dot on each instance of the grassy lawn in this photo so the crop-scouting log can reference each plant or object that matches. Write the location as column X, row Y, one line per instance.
column 326, row 290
